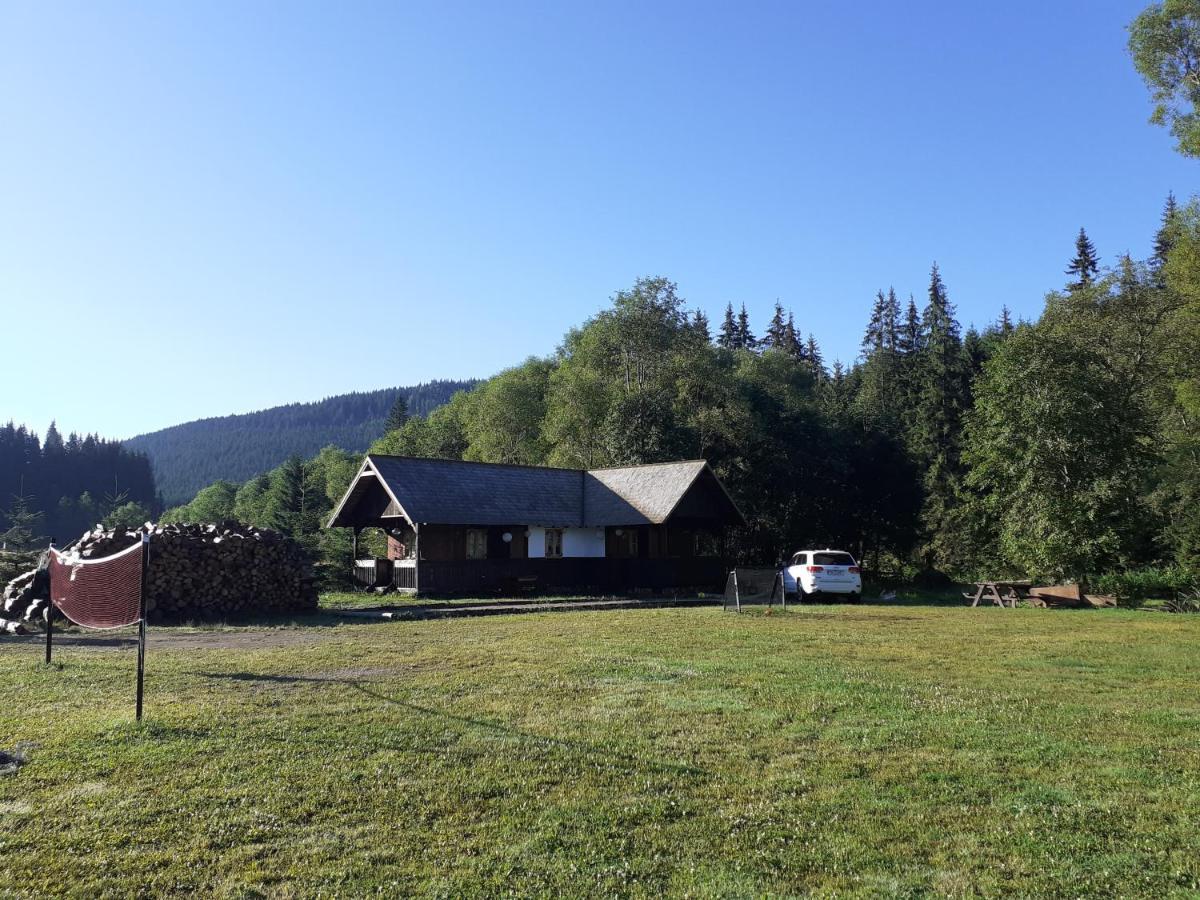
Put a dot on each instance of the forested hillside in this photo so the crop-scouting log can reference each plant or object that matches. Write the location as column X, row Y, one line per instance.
column 58, row 488
column 189, row 456
column 1066, row 448
column 1063, row 448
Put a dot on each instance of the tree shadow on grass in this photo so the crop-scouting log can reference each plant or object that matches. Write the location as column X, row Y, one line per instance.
column 593, row 752
column 70, row 635
column 318, row 618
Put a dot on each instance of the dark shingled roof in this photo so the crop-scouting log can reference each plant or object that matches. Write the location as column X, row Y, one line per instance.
column 450, row 492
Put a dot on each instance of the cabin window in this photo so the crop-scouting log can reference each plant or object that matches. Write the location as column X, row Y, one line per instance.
column 706, row 544
column 625, row 543
column 477, row 543
column 554, row 541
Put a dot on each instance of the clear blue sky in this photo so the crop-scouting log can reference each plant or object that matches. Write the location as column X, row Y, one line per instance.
column 216, row 207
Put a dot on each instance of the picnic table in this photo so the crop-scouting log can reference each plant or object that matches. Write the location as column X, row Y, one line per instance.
column 998, row 592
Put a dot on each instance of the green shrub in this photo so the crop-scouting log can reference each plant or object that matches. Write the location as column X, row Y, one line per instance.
column 1135, row 586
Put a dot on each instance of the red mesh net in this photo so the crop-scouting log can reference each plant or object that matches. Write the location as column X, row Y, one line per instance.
column 98, row 593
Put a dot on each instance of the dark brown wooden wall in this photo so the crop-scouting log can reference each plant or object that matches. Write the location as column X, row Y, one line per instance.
column 448, row 543
column 581, row 575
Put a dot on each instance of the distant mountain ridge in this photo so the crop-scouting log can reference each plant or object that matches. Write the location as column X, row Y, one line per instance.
column 193, row 455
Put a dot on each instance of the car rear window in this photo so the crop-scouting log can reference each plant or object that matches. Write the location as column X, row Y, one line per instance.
column 833, row 559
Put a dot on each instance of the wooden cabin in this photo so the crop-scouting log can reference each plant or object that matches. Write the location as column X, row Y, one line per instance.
column 463, row 527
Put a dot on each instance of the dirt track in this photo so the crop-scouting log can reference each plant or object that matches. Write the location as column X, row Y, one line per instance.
column 178, row 639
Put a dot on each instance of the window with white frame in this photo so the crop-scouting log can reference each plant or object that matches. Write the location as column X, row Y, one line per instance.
column 476, row 543
column 554, row 542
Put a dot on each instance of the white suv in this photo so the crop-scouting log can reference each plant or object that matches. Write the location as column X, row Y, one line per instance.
column 813, row 572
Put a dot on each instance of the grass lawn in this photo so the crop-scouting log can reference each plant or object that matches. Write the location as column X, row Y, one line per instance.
column 368, row 599
column 863, row 750
column 346, row 600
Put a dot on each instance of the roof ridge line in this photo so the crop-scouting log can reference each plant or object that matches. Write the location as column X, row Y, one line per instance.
column 672, row 462
column 477, row 462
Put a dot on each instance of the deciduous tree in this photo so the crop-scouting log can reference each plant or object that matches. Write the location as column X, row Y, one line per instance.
column 1053, row 458
column 1164, row 41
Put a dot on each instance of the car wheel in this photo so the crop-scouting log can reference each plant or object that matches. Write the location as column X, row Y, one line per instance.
column 805, row 597
column 855, row 597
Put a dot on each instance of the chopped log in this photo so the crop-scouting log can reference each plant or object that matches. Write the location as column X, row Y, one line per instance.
column 196, row 572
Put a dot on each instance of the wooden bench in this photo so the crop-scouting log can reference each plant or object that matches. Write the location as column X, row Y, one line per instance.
column 1000, row 593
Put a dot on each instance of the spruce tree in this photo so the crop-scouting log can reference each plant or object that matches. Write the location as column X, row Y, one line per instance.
column 975, row 353
column 53, row 445
column 397, row 416
column 940, row 330
column 891, row 320
column 23, row 525
column 745, row 337
column 700, row 326
column 873, row 339
column 941, row 384
column 728, row 336
column 878, row 393
column 792, row 344
column 909, row 341
column 1167, row 234
column 1004, row 325
column 1086, row 264
column 775, row 337
column 285, row 498
column 812, row 356
column 837, row 380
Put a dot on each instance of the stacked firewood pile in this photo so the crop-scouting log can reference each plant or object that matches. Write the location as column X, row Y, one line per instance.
column 196, row 573
column 16, row 562
column 25, row 598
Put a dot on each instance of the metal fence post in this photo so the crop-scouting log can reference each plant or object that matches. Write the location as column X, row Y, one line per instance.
column 141, row 665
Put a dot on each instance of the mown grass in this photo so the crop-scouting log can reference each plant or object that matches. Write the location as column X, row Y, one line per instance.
column 369, row 599
column 341, row 600
column 861, row 750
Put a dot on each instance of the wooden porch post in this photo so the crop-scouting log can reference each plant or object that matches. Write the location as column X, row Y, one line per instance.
column 354, row 551
column 416, row 558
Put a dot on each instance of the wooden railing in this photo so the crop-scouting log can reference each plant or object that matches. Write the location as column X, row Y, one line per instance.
column 372, row 573
column 404, row 574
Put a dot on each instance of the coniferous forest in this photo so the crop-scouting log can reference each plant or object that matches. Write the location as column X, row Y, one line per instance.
column 187, row 457
column 1066, row 447
column 1063, row 448
column 56, row 488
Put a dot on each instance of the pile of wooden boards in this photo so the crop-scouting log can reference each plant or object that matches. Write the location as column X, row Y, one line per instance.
column 1068, row 595
column 196, row 573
